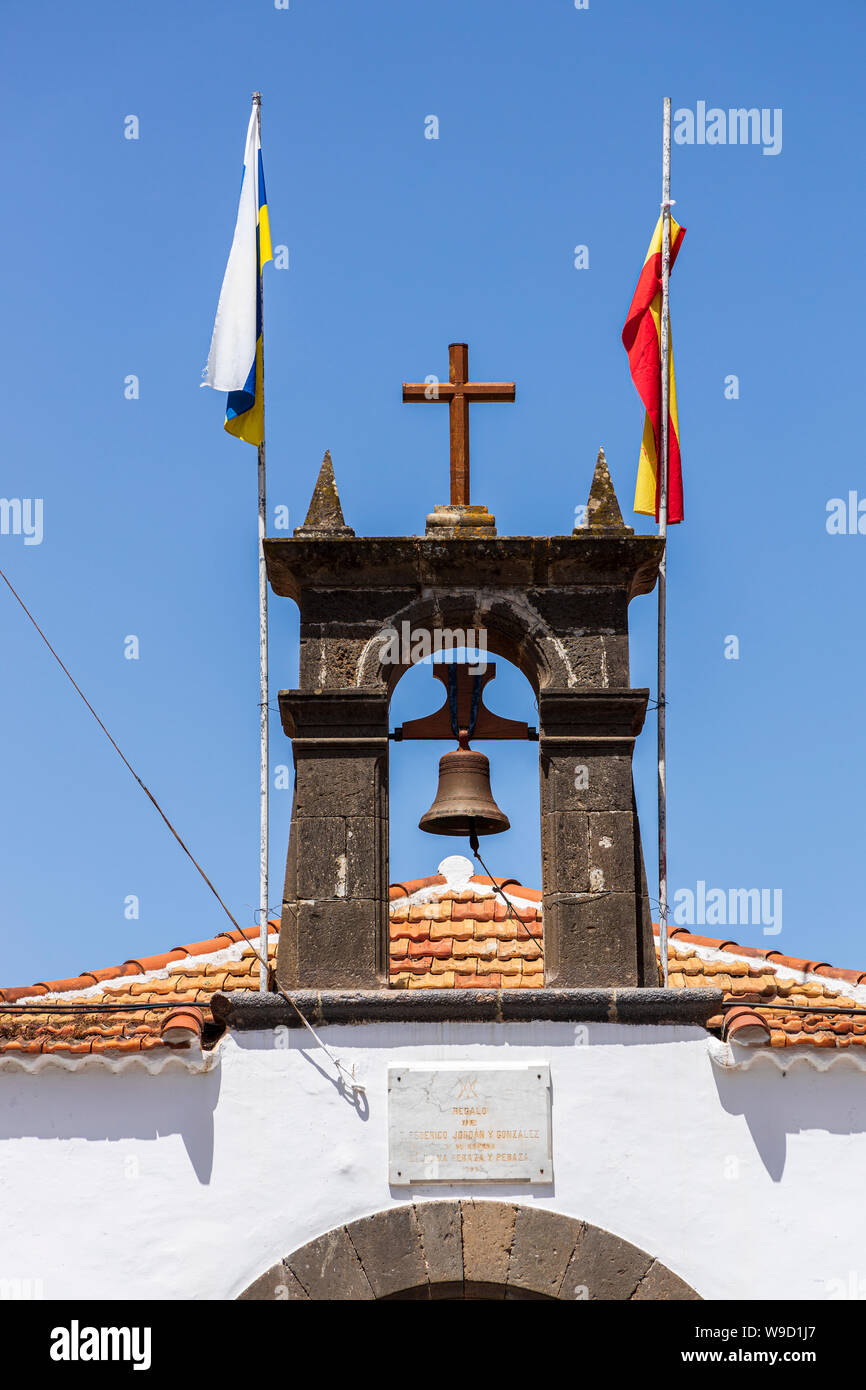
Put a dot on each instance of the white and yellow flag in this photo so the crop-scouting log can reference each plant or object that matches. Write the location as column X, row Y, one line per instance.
column 234, row 363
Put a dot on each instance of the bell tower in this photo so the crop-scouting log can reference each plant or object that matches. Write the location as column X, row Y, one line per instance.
column 555, row 606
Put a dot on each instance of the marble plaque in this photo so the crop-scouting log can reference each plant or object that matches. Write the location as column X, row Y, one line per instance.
column 467, row 1122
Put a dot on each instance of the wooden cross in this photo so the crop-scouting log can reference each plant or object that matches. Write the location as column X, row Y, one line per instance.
column 457, row 392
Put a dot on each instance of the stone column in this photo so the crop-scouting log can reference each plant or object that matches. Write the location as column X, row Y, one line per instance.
column 598, row 930
column 334, row 927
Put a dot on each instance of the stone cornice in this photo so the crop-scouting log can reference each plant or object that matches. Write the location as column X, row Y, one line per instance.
column 603, row 715
column 248, row 1010
column 520, row 562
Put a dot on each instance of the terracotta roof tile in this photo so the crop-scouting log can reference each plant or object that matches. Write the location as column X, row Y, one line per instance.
column 487, row 944
column 198, row 948
column 180, row 1027
column 532, row 932
column 10, row 996
column 456, row 935
column 244, row 934
column 416, row 965
column 778, row 980
column 442, row 981
column 400, row 890
column 511, row 886
column 755, row 951
column 793, row 962
column 57, row 986
column 747, row 1027
column 412, row 931
column 698, row 940
column 183, row 977
column 853, row 977
column 466, row 931
column 112, row 972
column 144, row 963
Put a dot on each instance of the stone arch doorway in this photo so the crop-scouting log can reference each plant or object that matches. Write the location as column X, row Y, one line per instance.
column 468, row 1250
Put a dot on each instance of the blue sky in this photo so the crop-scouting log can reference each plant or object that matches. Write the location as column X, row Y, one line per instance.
column 549, row 137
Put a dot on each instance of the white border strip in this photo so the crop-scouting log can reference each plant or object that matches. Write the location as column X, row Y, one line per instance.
column 736, row 1057
column 153, row 1060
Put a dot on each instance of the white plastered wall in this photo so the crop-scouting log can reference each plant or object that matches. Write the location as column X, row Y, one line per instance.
column 746, row 1183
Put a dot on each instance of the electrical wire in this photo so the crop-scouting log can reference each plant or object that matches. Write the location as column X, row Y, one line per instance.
column 146, row 790
column 187, row 851
column 473, row 845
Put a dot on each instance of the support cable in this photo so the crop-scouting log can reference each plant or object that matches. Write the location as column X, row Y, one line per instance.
column 187, row 851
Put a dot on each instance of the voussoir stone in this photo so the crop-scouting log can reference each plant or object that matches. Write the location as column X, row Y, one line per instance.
column 541, row 1251
column 329, row 1268
column 441, row 1231
column 389, row 1248
column 488, row 1233
column 604, row 1266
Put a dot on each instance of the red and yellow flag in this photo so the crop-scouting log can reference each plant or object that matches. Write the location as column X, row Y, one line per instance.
column 642, row 341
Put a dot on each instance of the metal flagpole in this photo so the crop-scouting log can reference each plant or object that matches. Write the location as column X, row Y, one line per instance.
column 663, row 527
column 263, row 651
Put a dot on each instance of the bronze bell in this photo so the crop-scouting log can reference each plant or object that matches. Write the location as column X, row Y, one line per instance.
column 464, row 803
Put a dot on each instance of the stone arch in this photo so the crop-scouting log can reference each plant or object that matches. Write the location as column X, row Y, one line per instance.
column 515, row 628
column 468, row 1250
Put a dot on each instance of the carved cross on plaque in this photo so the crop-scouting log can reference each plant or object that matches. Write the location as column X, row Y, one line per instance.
column 457, row 392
